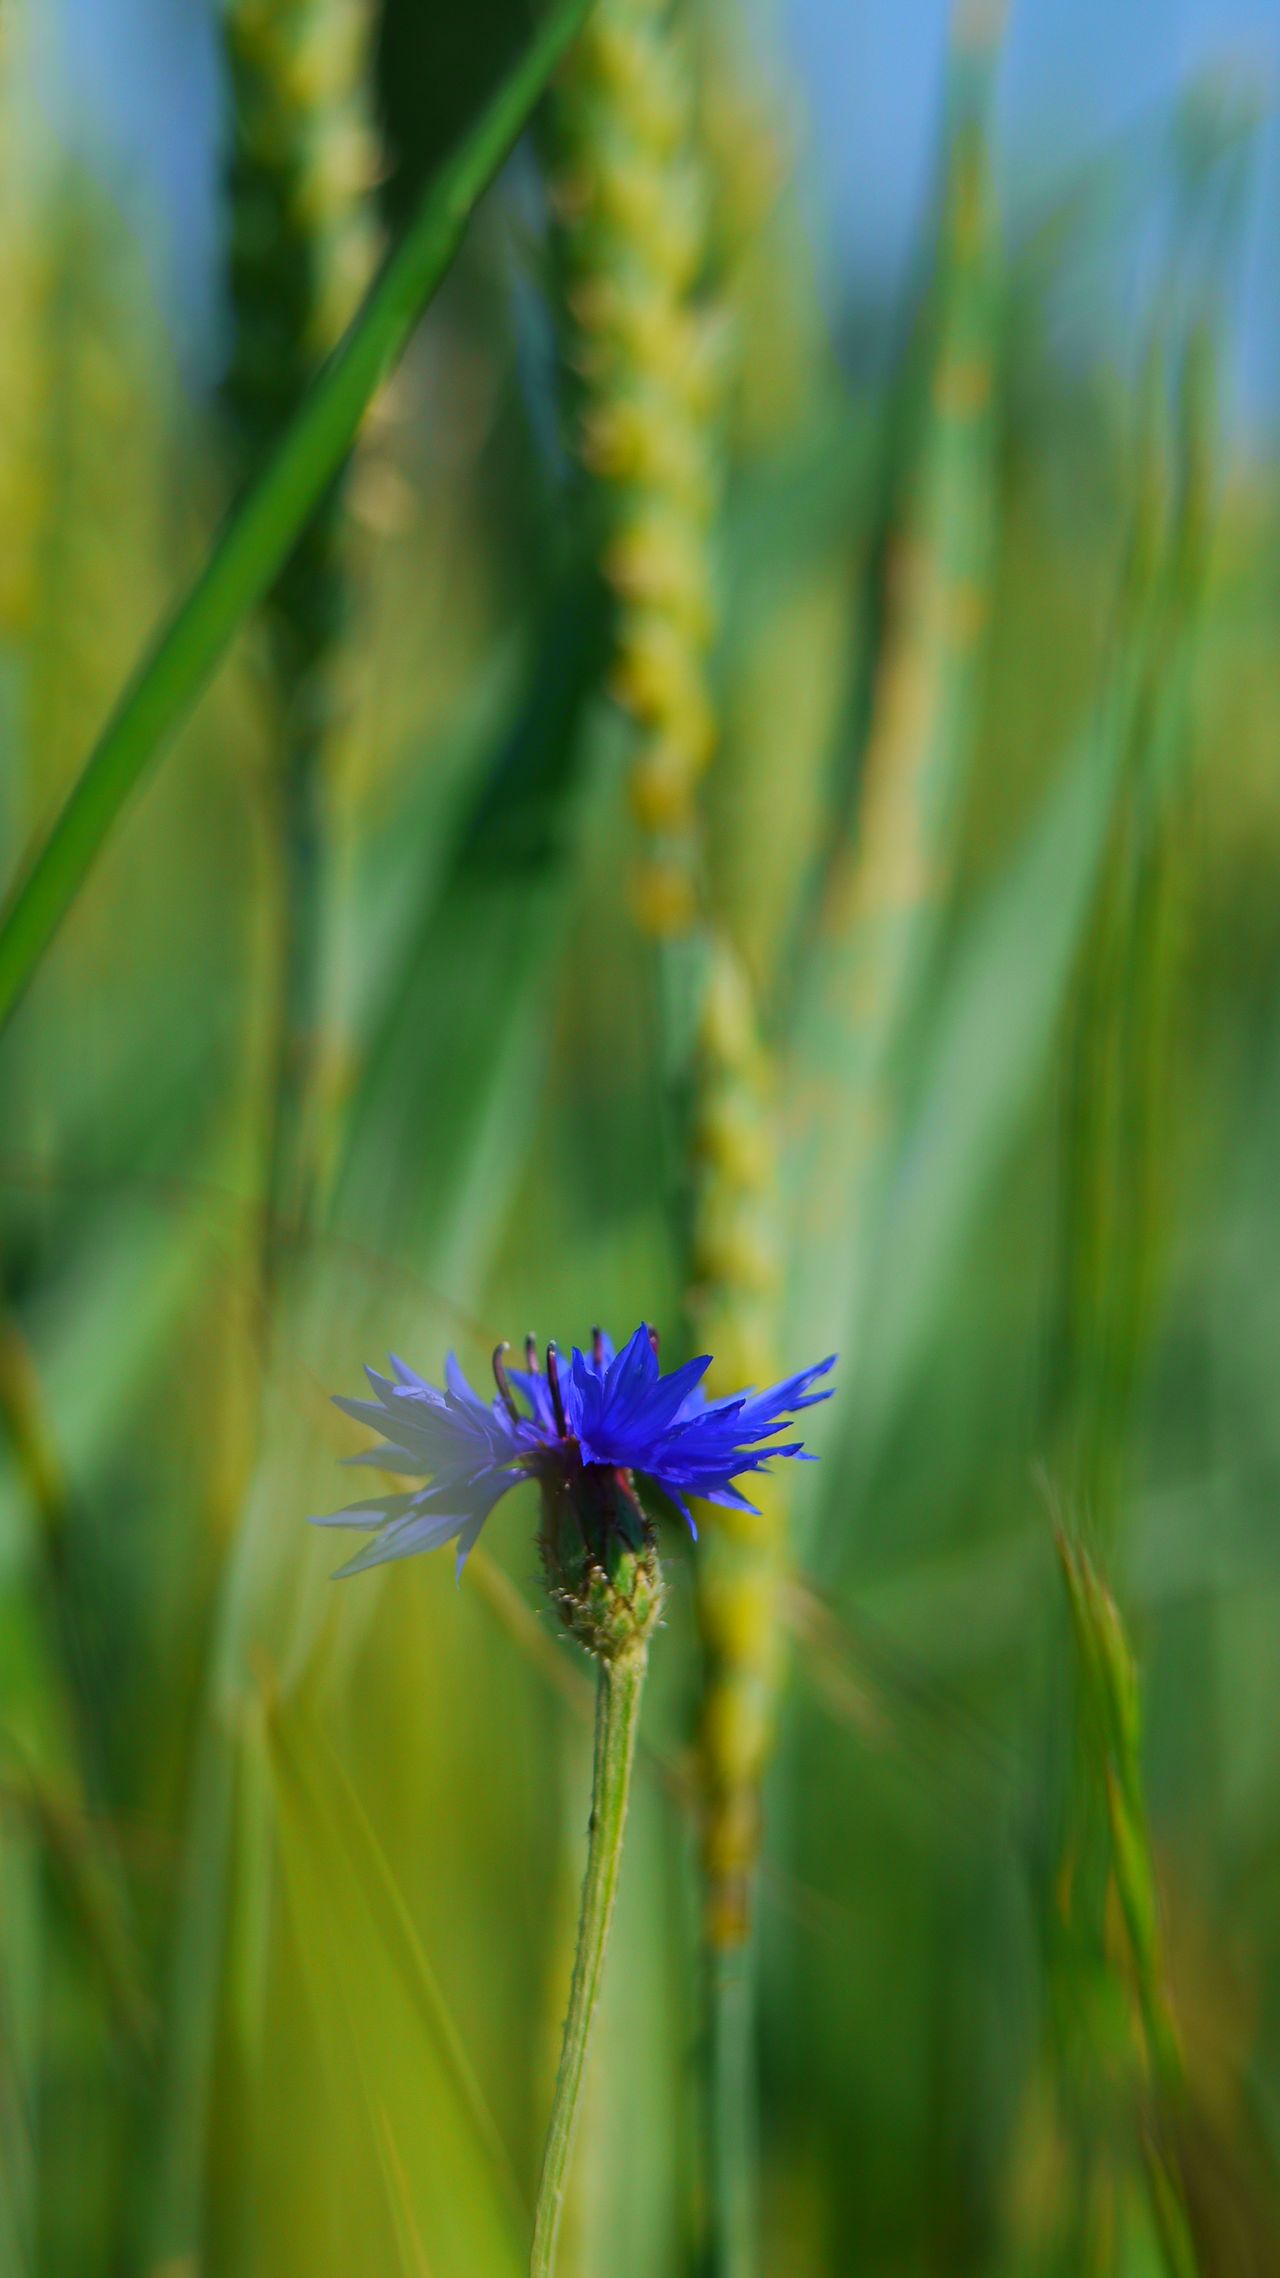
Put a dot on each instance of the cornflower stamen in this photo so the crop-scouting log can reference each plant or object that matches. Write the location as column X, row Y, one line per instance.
column 505, row 1392
column 557, row 1396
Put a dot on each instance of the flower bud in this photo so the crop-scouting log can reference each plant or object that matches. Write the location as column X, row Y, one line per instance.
column 600, row 1555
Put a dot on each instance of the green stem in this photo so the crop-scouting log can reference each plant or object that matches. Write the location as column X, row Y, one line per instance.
column 296, row 1143
column 1169, row 2209
column 731, row 2113
column 617, row 1720
column 256, row 540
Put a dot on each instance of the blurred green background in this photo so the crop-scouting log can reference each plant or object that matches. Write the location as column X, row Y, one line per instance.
column 353, row 1042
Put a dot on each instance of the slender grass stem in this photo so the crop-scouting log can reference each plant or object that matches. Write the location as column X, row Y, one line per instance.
column 294, row 1140
column 1111, row 1741
column 25, row 1422
column 257, row 538
column 621, row 1683
column 731, row 2115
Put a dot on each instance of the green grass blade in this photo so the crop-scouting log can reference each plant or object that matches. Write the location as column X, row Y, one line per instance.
column 431, row 1155
column 889, row 872
column 256, row 539
column 989, row 1038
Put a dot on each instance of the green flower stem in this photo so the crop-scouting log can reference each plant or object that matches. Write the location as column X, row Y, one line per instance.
column 621, row 1683
column 258, row 536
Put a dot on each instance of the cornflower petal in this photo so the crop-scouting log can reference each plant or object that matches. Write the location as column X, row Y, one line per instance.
column 372, row 1511
column 537, row 1392
column 385, row 1459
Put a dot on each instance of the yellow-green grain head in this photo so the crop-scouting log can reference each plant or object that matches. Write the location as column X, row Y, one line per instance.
column 647, row 358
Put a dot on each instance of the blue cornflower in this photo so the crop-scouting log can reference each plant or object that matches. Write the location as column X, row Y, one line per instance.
column 583, row 1432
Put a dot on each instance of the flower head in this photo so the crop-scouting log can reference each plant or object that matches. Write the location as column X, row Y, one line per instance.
column 584, row 1430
